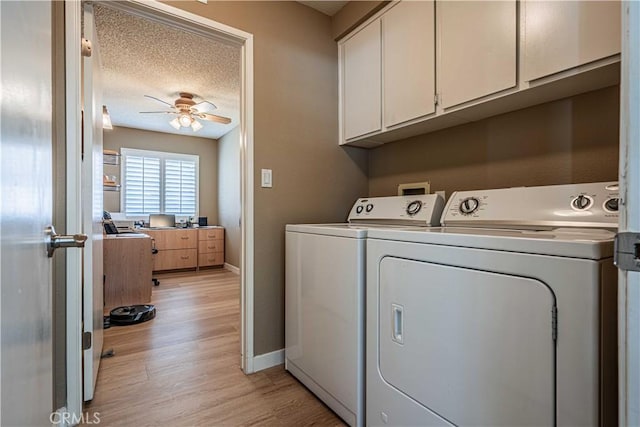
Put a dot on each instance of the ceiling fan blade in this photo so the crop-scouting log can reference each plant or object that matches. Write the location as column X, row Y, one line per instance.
column 159, row 100
column 214, row 118
column 204, row 106
column 156, row 112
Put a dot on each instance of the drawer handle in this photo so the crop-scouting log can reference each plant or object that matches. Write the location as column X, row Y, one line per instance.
column 211, row 247
column 185, row 237
column 184, row 257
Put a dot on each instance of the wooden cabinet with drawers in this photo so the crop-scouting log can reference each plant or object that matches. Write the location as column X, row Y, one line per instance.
column 177, row 249
column 187, row 248
column 210, row 246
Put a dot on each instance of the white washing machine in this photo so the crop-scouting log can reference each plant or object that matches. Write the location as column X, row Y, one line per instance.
column 324, row 297
column 505, row 316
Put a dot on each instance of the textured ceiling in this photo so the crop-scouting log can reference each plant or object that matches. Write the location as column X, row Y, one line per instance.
column 141, row 57
column 327, row 7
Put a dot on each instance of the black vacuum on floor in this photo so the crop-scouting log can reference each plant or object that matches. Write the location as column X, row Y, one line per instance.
column 130, row 314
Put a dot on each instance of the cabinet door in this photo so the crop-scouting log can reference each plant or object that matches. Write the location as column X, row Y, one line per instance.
column 362, row 82
column 208, row 246
column 477, row 53
column 211, row 233
column 408, row 61
column 182, row 239
column 559, row 35
column 175, row 259
column 214, row 258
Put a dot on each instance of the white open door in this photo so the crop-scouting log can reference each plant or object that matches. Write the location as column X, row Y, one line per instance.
column 92, row 288
column 629, row 281
column 25, row 213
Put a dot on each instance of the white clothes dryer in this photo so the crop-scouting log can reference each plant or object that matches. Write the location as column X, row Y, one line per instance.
column 506, row 316
column 324, row 297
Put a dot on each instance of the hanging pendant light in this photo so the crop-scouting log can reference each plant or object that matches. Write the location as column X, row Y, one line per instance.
column 196, row 125
column 185, row 120
column 175, row 123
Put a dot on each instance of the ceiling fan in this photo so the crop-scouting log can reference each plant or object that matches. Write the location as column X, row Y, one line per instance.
column 188, row 111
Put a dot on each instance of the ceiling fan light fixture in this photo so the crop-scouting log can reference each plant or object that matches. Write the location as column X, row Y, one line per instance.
column 185, row 120
column 175, row 123
column 196, row 125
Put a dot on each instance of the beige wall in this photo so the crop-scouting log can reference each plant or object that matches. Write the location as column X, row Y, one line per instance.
column 207, row 149
column 352, row 15
column 229, row 194
column 567, row 141
column 296, row 129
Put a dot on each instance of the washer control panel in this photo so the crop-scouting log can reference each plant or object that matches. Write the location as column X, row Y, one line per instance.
column 421, row 210
column 573, row 205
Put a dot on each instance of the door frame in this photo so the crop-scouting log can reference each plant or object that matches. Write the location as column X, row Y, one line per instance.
column 73, row 107
column 629, row 177
column 188, row 21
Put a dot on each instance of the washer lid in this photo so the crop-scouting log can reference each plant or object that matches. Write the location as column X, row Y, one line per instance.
column 567, row 242
column 356, row 231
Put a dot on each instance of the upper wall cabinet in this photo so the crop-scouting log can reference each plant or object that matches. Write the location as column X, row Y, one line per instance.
column 480, row 58
column 361, row 81
column 408, row 62
column 477, row 49
column 560, row 35
column 390, row 62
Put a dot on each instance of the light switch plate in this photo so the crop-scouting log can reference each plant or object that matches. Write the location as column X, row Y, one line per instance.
column 267, row 178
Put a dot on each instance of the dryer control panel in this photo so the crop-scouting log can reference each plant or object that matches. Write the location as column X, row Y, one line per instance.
column 420, row 210
column 553, row 206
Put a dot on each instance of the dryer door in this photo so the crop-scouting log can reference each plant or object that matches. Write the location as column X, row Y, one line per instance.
column 475, row 347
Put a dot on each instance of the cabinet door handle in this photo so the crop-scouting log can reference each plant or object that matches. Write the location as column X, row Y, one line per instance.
column 184, row 257
column 185, row 237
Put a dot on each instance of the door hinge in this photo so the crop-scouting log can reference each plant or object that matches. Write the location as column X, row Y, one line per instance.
column 436, row 99
column 86, row 340
column 554, row 323
column 626, row 254
column 85, row 47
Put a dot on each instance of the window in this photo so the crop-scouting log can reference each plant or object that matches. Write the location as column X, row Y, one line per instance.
column 157, row 182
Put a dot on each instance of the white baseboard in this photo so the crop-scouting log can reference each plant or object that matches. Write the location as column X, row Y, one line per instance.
column 231, row 268
column 264, row 361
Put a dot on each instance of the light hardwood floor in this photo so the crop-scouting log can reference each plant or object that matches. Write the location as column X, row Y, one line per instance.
column 183, row 367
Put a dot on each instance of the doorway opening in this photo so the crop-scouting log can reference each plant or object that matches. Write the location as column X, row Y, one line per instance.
column 238, row 142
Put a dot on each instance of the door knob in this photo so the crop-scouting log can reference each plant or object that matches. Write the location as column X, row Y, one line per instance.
column 55, row 240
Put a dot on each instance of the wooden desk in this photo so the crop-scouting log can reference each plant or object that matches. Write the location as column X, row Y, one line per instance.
column 182, row 248
column 127, row 268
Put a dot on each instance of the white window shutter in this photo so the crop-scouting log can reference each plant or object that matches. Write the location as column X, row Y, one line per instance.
column 159, row 182
column 180, row 187
column 142, row 185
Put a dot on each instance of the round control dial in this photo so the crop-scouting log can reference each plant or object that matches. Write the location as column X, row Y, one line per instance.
column 369, row 207
column 359, row 209
column 611, row 204
column 469, row 205
column 414, row 207
column 582, row 202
